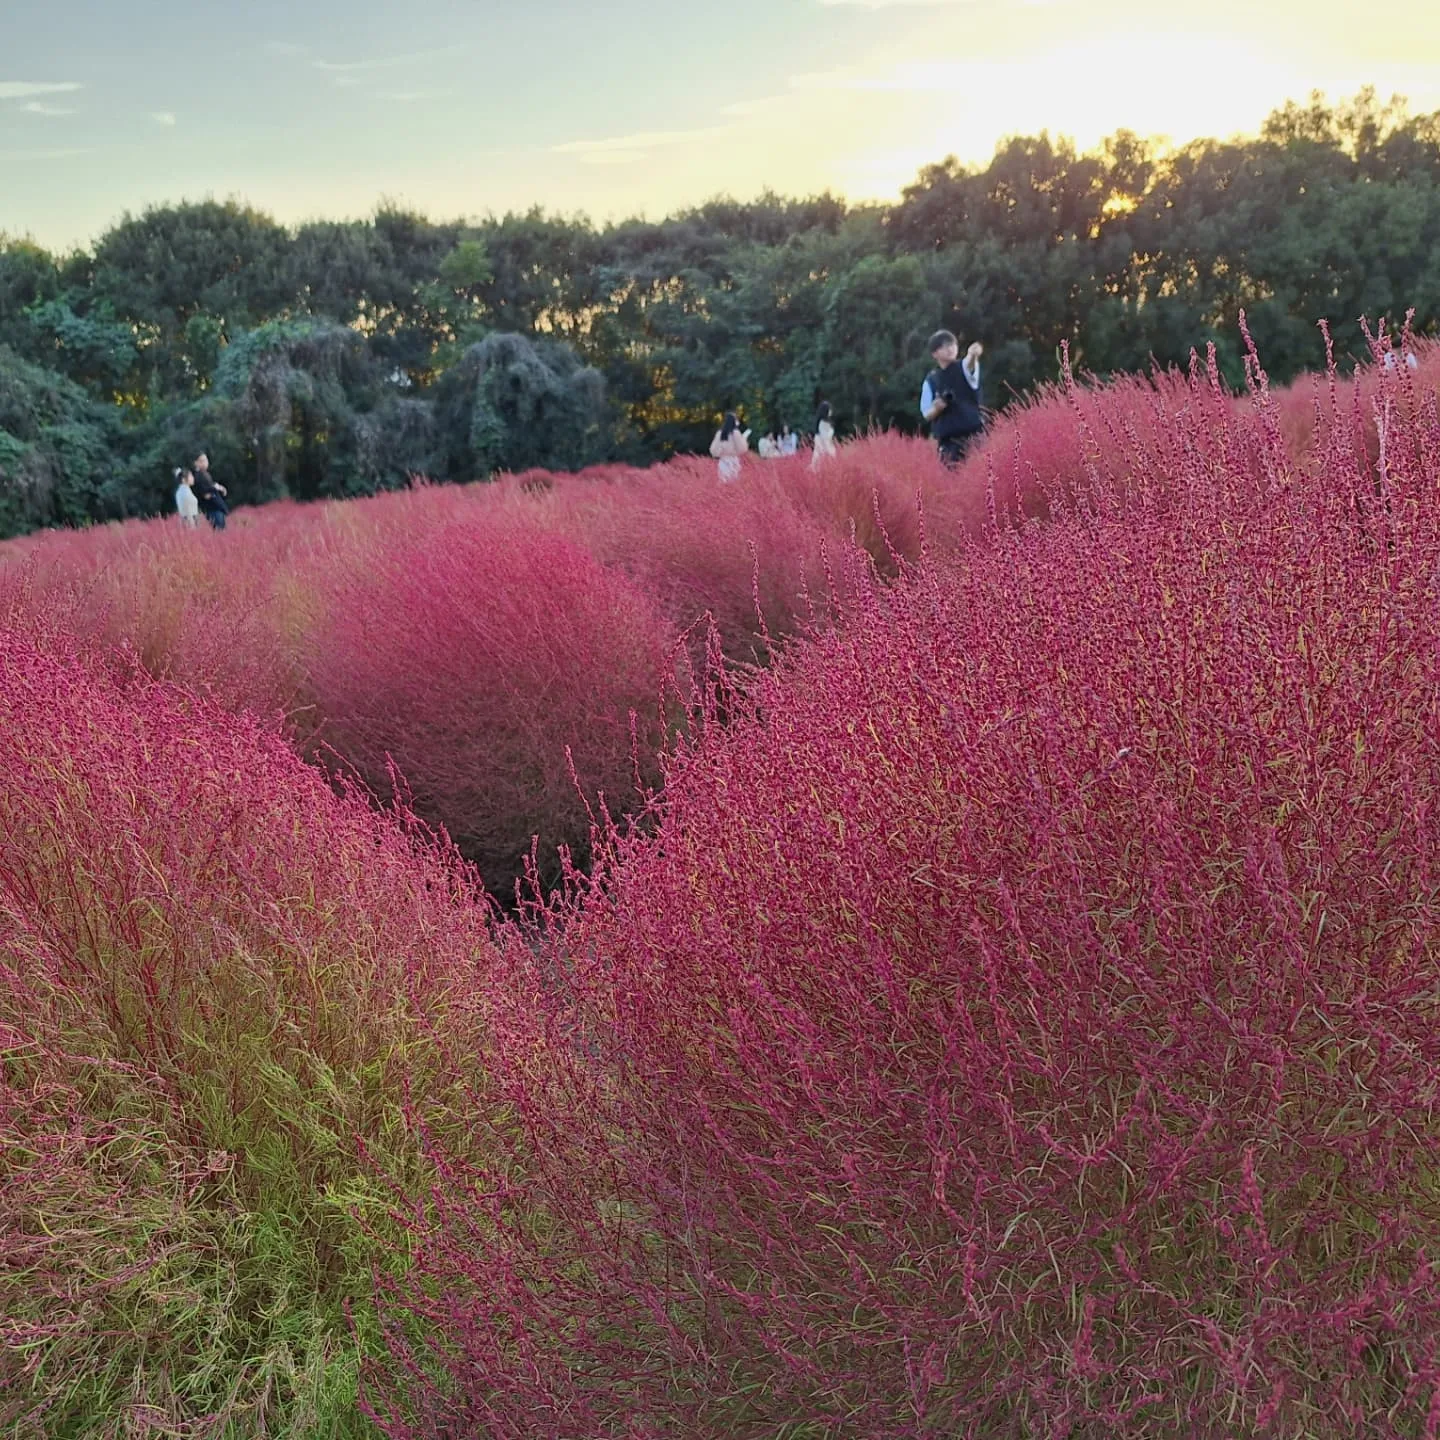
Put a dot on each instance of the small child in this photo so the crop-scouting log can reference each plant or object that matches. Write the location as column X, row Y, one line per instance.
column 185, row 502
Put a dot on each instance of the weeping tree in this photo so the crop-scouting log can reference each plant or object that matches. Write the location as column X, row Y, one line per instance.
column 318, row 414
column 513, row 403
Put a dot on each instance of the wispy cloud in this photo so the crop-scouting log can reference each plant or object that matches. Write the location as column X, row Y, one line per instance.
column 285, row 47
column 65, row 154
column 626, row 149
column 911, row 77
column 38, row 107
column 384, row 62
column 163, row 117
column 23, row 89
column 614, row 157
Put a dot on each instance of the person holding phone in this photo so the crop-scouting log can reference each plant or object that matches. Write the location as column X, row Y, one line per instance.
column 729, row 444
column 950, row 399
column 210, row 493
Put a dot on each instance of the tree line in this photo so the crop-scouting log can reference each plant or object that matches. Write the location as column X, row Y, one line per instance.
column 340, row 357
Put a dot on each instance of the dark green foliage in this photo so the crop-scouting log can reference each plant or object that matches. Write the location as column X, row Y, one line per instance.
column 875, row 327
column 340, row 357
column 521, row 404
column 341, row 269
column 94, row 349
column 56, row 445
column 161, row 270
column 29, row 276
column 316, row 413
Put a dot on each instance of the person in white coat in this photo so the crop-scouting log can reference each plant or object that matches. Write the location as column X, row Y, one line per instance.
column 186, row 505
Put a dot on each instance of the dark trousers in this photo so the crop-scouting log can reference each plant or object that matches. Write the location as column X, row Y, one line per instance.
column 952, row 449
column 215, row 513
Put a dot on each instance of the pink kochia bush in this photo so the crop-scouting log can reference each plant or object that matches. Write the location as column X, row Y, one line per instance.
column 1400, row 387
column 512, row 681
column 746, row 557
column 759, row 557
column 206, row 615
column 222, row 989
column 1025, row 1025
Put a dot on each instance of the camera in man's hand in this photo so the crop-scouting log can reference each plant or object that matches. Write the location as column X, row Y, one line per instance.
column 948, row 396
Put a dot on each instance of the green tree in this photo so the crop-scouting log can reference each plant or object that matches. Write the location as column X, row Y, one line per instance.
column 161, row 269
column 875, row 331
column 456, row 306
column 513, row 403
column 315, row 413
column 92, row 348
column 405, row 334
column 57, row 449
column 29, row 276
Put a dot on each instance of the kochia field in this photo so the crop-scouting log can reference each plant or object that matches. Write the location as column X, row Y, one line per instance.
column 976, row 974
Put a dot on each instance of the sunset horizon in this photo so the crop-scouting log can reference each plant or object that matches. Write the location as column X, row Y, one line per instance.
column 317, row 117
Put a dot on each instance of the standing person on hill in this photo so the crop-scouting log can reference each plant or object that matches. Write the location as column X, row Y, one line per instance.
column 210, row 493
column 729, row 444
column 824, row 436
column 950, row 399
column 186, row 505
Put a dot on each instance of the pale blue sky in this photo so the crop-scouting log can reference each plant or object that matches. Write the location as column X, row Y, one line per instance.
column 322, row 107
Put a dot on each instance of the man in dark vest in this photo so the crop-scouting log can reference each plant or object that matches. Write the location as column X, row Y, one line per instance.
column 950, row 400
column 210, row 493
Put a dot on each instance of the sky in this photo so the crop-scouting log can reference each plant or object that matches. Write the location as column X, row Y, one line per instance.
column 323, row 108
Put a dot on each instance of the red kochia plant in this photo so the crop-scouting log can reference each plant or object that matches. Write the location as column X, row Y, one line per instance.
column 760, row 557
column 1403, row 380
column 510, row 678
column 1026, row 1026
column 746, row 555
column 1071, row 443
column 216, row 613
column 222, row 987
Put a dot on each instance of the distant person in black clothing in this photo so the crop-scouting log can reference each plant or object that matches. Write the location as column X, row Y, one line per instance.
column 950, row 400
column 210, row 493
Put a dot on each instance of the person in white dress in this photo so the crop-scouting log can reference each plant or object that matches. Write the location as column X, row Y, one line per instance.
column 824, row 436
column 186, row 505
column 789, row 441
column 729, row 444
